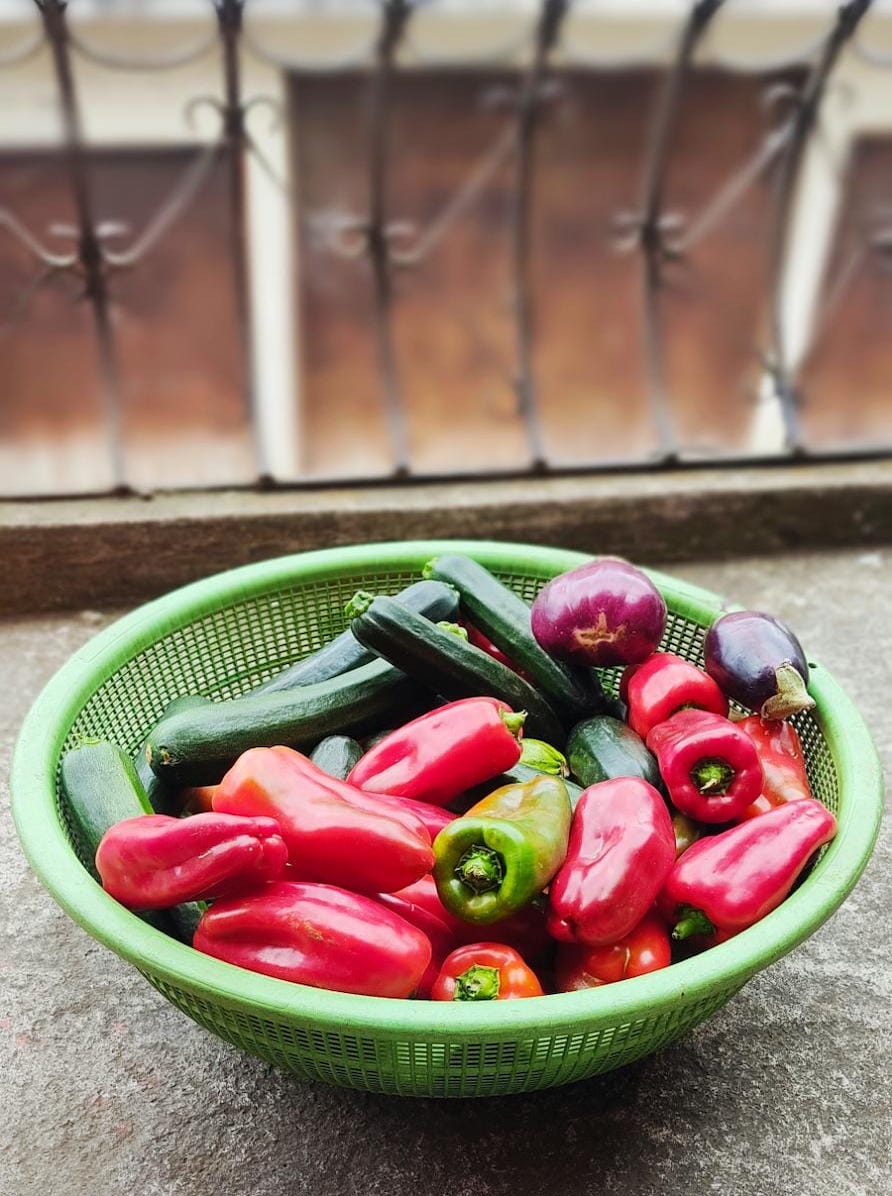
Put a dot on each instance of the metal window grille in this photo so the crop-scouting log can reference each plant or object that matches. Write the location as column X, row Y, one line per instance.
column 380, row 242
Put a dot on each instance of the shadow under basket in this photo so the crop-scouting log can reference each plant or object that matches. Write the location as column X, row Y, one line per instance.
column 221, row 636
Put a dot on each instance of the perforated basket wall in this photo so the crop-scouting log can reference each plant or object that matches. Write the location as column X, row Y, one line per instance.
column 223, row 636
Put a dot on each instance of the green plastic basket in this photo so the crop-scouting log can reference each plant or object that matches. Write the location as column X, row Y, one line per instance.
column 223, row 635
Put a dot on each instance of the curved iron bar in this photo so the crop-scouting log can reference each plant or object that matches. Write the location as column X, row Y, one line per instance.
column 800, row 57
column 878, row 58
column 711, row 216
column 360, row 55
column 26, row 49
column 395, row 15
column 652, row 223
column 56, row 261
column 507, row 52
column 849, row 16
column 548, row 28
column 89, row 248
column 478, row 179
column 642, row 57
column 876, row 239
column 128, row 62
column 176, row 203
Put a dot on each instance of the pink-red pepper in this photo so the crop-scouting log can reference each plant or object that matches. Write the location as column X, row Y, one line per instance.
column 645, row 949
column 155, row 861
column 783, row 763
column 709, row 766
column 418, row 912
column 622, row 848
column 526, row 930
column 436, row 757
column 730, row 881
column 335, row 834
column 485, row 972
column 479, row 640
column 664, row 684
column 317, row 935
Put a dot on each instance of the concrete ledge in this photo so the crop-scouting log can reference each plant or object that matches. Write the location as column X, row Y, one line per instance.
column 114, row 551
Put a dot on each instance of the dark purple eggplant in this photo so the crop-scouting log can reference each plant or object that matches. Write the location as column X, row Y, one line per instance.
column 606, row 612
column 758, row 661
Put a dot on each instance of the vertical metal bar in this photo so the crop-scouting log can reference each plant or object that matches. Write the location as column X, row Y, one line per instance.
column 651, row 229
column 808, row 104
column 529, row 100
column 229, row 19
column 394, row 18
column 90, row 258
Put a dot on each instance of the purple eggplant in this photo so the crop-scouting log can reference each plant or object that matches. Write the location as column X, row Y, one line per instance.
column 604, row 613
column 758, row 661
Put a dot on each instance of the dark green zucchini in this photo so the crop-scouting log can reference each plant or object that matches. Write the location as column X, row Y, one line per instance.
column 602, row 748
column 162, row 798
column 196, row 747
column 337, row 755
column 446, row 663
column 101, row 788
column 432, row 599
column 504, row 618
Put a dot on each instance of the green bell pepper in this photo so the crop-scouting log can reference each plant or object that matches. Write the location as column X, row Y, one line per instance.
column 504, row 850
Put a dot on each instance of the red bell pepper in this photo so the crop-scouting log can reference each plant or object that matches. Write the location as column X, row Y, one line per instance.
column 335, row 834
column 436, row 928
column 155, row 861
column 317, row 935
column 646, row 949
column 485, row 972
column 479, row 640
column 783, row 763
column 710, row 767
column 664, row 684
column 622, row 848
column 525, row 930
column 729, row 881
column 436, row 757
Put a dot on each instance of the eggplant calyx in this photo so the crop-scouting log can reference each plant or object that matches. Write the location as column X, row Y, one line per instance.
column 790, row 696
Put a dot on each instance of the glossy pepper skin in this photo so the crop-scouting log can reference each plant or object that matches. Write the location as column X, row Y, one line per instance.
column 334, row 834
column 436, row 757
column 418, row 913
column 155, row 861
column 485, row 972
column 730, row 881
column 664, row 684
column 783, row 763
column 645, row 949
column 622, row 848
column 525, row 930
column 318, row 935
column 710, row 767
column 504, row 850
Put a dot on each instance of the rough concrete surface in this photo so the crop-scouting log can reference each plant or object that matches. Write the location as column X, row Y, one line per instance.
column 108, row 1089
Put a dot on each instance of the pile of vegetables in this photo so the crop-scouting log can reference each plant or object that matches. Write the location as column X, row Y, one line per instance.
column 514, row 830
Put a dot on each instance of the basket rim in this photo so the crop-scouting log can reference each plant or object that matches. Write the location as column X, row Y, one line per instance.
column 725, row 967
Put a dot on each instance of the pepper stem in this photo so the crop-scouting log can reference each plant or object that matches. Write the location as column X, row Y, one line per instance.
column 427, row 571
column 359, row 604
column 712, row 777
column 454, row 629
column 791, row 694
column 478, row 983
column 692, row 921
column 480, row 869
column 513, row 721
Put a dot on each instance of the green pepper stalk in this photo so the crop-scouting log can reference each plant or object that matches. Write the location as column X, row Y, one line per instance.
column 504, row 850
